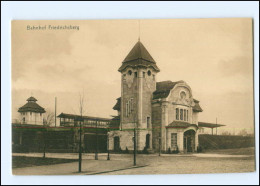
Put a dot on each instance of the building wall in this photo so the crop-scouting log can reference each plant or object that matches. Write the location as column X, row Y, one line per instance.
column 195, row 116
column 137, row 92
column 156, row 124
column 32, row 118
column 164, row 113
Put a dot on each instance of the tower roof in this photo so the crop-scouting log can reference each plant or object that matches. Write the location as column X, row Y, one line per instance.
column 139, row 56
column 32, row 99
column 31, row 106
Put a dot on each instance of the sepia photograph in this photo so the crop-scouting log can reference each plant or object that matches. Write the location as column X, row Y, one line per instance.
column 132, row 96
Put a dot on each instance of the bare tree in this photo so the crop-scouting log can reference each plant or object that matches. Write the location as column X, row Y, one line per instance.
column 225, row 133
column 243, row 132
column 49, row 118
column 81, row 110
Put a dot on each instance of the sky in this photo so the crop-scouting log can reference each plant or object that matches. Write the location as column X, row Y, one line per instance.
column 213, row 56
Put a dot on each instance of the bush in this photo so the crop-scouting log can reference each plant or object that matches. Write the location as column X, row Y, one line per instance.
column 176, row 151
column 169, row 150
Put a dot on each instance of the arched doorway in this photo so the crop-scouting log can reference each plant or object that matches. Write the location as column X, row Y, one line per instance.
column 147, row 141
column 189, row 141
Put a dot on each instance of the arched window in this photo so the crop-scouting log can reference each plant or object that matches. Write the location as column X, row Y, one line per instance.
column 149, row 73
column 129, row 72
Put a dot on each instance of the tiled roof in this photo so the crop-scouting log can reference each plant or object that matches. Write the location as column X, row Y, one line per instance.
column 31, row 99
column 139, row 56
column 181, row 124
column 196, row 107
column 118, row 104
column 31, row 106
column 163, row 89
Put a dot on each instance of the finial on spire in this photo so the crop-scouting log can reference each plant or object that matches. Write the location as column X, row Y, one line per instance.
column 139, row 30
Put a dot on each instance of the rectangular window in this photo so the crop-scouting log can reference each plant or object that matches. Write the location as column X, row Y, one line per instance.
column 181, row 114
column 184, row 115
column 177, row 114
column 136, row 74
column 173, row 140
column 144, row 74
column 187, row 115
column 148, row 122
column 126, row 110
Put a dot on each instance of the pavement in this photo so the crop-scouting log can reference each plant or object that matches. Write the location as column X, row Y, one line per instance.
column 146, row 164
column 103, row 156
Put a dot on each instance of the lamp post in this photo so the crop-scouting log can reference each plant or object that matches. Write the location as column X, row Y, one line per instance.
column 80, row 142
column 160, row 145
column 135, row 146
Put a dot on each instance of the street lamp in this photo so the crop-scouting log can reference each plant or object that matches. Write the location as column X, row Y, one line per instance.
column 96, row 153
column 80, row 142
column 159, row 145
column 135, row 146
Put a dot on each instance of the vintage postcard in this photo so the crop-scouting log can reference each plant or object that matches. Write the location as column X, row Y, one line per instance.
column 132, row 97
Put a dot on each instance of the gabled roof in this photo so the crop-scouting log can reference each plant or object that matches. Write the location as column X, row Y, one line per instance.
column 139, row 56
column 31, row 106
column 163, row 89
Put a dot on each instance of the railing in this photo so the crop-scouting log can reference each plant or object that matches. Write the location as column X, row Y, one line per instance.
column 69, row 123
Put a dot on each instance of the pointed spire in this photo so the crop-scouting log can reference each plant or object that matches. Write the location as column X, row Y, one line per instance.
column 139, row 56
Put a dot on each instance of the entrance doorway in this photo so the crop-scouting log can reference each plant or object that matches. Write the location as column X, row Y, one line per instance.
column 189, row 141
column 147, row 142
column 116, row 143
